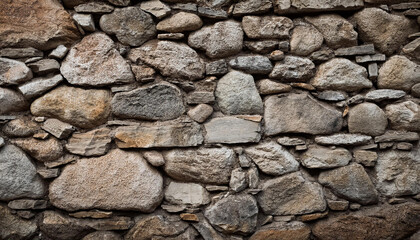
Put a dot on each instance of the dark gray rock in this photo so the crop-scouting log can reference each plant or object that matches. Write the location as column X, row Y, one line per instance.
column 293, row 69
column 356, row 50
column 253, row 64
column 249, row 7
column 218, row 67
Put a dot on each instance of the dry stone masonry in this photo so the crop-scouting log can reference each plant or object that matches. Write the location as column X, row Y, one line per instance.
column 209, row 119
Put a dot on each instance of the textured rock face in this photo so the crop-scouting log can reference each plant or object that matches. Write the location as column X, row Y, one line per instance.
column 180, row 22
column 92, row 143
column 282, row 230
column 404, row 116
column 367, row 118
column 305, row 40
column 156, row 227
column 186, row 193
column 79, row 107
column 322, row 157
column 399, row 73
column 13, row 227
column 42, row 24
column 85, row 184
column 293, row 69
column 267, row 27
column 232, row 130
column 42, row 150
column 13, row 72
column 12, row 101
column 39, row 86
column 286, row 6
column 304, row 115
column 253, row 64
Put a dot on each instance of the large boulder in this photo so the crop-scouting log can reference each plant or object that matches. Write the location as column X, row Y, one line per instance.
column 399, row 73
column 367, row 118
column 404, row 115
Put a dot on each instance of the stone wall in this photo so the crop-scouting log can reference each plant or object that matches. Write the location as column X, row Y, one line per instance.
column 209, row 119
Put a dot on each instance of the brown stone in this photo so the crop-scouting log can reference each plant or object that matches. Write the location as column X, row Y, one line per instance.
column 93, row 143
column 283, row 230
column 42, row 150
column 12, row 227
column 190, row 217
column 91, row 214
column 156, row 227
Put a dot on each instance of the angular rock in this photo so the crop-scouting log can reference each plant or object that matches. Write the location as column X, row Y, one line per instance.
column 329, row 95
column 283, row 230
column 293, row 69
column 42, row 24
column 343, row 139
column 200, row 113
column 59, row 52
column 304, row 115
column 238, row 180
column 39, row 86
column 367, row 118
column 305, row 40
column 79, row 107
column 94, row 7
column 350, row 182
column 252, row 7
column 156, row 227
column 352, row 76
column 253, row 64
column 356, row 50
column 267, row 27
column 218, row 67
column 272, row 159
column 198, row 97
column 186, row 193
column 232, row 130
column 288, row 141
column 13, row 72
column 267, row 86
column 404, row 116
column 264, row 46
column 85, row 21
column 180, row 22
column 154, row 157
column 23, row 204
column 322, row 157
column 28, row 52
column 371, row 58
column 398, row 73
column 49, row 173
column 397, row 136
column 291, row 194
column 386, row 31
column 58, row 128
column 236, row 94
column 20, row 127
column 207, row 39
column 366, row 158
column 42, row 150
column 105, row 235
column 384, row 94
column 206, row 230
column 212, row 12
column 95, row 61
column 170, row 36
column 13, row 227
column 413, row 48
column 234, row 214
column 172, row 59
column 44, row 66
column 293, row 6
column 156, row 8
column 11, row 101
column 93, row 143
column 204, row 165
column 139, row 186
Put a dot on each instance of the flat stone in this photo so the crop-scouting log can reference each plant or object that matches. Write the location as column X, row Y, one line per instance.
column 283, row 230
column 212, row 13
column 291, row 194
column 42, row 150
column 188, row 7
column 343, row 139
column 297, row 6
column 371, row 58
column 24, row 204
column 293, row 69
column 252, row 7
column 288, row 141
column 366, row 158
column 322, row 55
column 85, row 21
column 66, row 191
column 304, row 115
column 232, row 130
column 170, row 36
column 160, row 134
column 48, row 173
column 58, row 128
column 59, row 52
column 338, row 205
column 352, row 76
column 373, row 71
column 397, row 136
column 14, row 53
column 180, row 22
column 18, row 176
column 11, row 101
column 14, row 227
column 218, row 67
column 264, row 46
column 404, row 116
column 236, row 93
column 200, row 113
column 356, row 50
column 38, row 86
column 273, row 159
column 44, row 66
column 404, row 6
column 267, row 27
column 367, row 118
column 234, row 214
column 93, row 143
column 186, row 193
column 94, row 7
column 305, row 40
column 156, row 227
column 156, row 8
column 156, row 102
column 106, row 235
column 253, row 64
column 398, row 73
column 20, row 127
column 13, row 72
column 412, row 48
column 91, row 214
column 189, row 217
column 42, row 24
column 329, row 95
column 384, row 94
column 350, row 182
column 267, row 86
column 95, row 61
column 206, row 39
column 172, row 59
column 324, row 158
column 204, row 165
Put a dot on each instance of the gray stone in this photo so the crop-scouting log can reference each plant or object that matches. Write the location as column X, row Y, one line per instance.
column 232, row 130
column 218, row 67
column 204, row 165
column 350, row 182
column 18, row 176
column 397, row 136
column 44, row 66
column 267, row 27
column 188, row 7
column 264, row 46
column 13, row 72
column 236, row 93
column 104, row 235
column 305, row 40
column 199, row 97
column 356, row 50
column 154, row 157
column 322, row 157
column 156, row 8
column 13, row 227
column 120, row 3
column 156, row 102
column 94, row 7
column 157, row 227
column 207, row 39
column 293, row 6
column 170, row 36
column 252, row 7
column 404, row 116
column 366, row 158
column 48, row 173
column 343, row 139
column 293, row 69
column 322, row 55
column 329, row 95
column 415, row 90
column 20, row 127
column 212, row 12
column 59, row 52
column 176, row 60
column 288, row 141
column 58, row 128
column 367, row 118
column 24, row 204
column 267, row 86
column 373, row 71
column 384, row 94
column 413, row 48
column 39, row 86
column 304, row 115
column 283, row 230
column 234, row 214
column 11, row 101
column 371, row 58
column 186, row 194
column 85, row 21
column 200, row 113
column 253, row 64
column 42, row 150
column 93, row 143
column 72, row 191
column 14, row 53
column 399, row 73
column 291, row 194
column 180, row 22
column 238, row 180
column 272, row 159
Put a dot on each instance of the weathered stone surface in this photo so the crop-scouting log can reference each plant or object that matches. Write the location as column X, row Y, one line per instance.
column 238, row 180
column 154, row 157
column 180, row 22
column 282, row 230
column 171, row 59
column 156, row 8
column 93, row 7
column 272, row 158
column 253, row 64
column 322, row 157
column 371, row 58
column 85, row 184
column 59, row 52
column 200, row 113
column 367, row 118
column 18, row 176
column 214, row 13
column 186, row 193
column 404, row 116
column 206, row 230
column 42, row 24
column 156, row 227
column 95, row 62
column 96, row 214
column 293, row 69
column 20, row 127
column 85, row 21
column 82, row 108
column 384, row 94
column 11, row 101
column 208, row 39
column 104, row 235
column 304, row 115
column 386, row 31
column 44, row 66
column 412, row 48
column 305, row 40
column 291, row 194
column 13, row 227
column 292, row 6
column 22, row 204
column 397, row 173
column 330, row 95
column 28, row 52
column 236, row 93
column 355, row 50
column 13, row 72
column 352, row 76
column 264, row 46
column 267, row 27
column 58, row 128
column 366, row 158
column 156, row 102
column 2, row 143
column 205, row 165
column 343, row 139
column 42, row 150
column 397, row 136
column 218, row 67
column 267, row 86
column 161, row 134
column 93, row 143
column 39, row 86
column 350, row 182
column 385, row 222
column 398, row 73
column 234, row 214
column 232, row 130
column 252, row 7
column 131, row 25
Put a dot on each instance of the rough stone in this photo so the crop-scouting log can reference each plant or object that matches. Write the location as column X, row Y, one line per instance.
column 232, row 130
column 104, row 235
column 413, row 48
column 180, row 22
column 14, row 53
column 156, row 8
column 13, row 227
column 267, row 86
column 39, row 86
column 329, row 95
column 171, row 59
column 205, row 165
column 288, row 141
column 44, row 66
column 2, row 143
column 305, row 40
column 48, row 173
column 397, row 136
column 343, row 139
column 371, row 58
column 94, row 7
column 13, row 72
column 58, row 128
column 252, row 7
column 398, row 73
column 366, row 158
column 200, row 113
column 23, row 204
column 85, row 184
column 264, row 46
column 253, row 64
column 154, row 157
column 186, row 193
column 404, row 116
column 304, row 115
column 59, row 52
column 218, row 67
column 20, row 127
column 238, row 180
column 293, row 69
column 93, row 143
column 213, row 13
column 85, row 21
column 415, row 90
column 352, row 76
column 79, row 107
column 283, row 230
column 11, row 101
column 293, row 6
column 208, row 39
column 367, row 118
column 42, row 150
column 96, row 214
column 355, row 50
column 95, row 62
column 384, row 94
column 156, row 227
column 322, row 157
column 198, row 97
column 267, row 27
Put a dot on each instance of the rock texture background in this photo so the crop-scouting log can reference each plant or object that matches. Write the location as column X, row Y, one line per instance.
column 209, row 119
